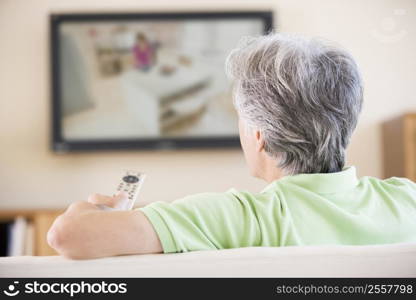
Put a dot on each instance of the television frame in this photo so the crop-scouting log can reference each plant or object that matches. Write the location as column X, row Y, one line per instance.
column 59, row 144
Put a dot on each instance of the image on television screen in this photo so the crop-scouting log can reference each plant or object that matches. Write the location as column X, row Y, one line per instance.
column 148, row 79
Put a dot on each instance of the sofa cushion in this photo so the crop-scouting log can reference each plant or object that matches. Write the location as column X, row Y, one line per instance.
column 395, row 260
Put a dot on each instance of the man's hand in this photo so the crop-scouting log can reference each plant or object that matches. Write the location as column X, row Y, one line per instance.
column 85, row 231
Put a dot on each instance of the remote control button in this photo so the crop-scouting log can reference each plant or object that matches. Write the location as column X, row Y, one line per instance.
column 130, row 179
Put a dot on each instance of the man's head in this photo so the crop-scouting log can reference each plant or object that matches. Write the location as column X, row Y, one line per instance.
column 298, row 101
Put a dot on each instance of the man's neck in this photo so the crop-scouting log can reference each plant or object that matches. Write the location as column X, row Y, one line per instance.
column 270, row 172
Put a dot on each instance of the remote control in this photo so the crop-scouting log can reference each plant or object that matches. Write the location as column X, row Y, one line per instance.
column 130, row 184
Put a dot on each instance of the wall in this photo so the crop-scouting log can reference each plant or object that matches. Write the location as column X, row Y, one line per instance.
column 379, row 33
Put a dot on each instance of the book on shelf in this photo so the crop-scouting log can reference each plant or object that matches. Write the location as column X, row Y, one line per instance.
column 17, row 237
column 4, row 237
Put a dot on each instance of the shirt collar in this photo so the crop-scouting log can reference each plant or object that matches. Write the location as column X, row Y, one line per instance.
column 323, row 183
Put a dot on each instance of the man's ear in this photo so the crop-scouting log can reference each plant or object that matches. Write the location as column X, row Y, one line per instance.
column 259, row 141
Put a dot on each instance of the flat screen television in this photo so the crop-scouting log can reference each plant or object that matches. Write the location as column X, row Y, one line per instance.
column 145, row 80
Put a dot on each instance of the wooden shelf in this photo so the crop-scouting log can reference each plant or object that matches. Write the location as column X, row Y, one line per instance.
column 41, row 220
column 399, row 147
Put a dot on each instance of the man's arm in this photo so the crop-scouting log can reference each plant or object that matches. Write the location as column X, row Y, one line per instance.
column 84, row 231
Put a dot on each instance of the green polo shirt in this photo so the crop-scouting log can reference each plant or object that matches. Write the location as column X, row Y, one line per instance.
column 305, row 209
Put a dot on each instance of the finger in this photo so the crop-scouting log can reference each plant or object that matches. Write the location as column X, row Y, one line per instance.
column 102, row 200
column 121, row 200
column 120, row 196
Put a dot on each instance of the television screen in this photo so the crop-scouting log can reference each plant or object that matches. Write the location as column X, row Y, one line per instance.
column 145, row 80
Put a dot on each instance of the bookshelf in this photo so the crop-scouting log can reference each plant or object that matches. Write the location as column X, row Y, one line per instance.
column 399, row 147
column 41, row 220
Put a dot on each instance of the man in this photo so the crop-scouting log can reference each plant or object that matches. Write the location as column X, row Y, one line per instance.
column 298, row 102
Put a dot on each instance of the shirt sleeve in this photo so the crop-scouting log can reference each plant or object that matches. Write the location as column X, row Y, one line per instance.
column 204, row 221
column 403, row 182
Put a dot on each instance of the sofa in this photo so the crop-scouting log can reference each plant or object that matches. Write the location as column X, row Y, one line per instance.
column 395, row 260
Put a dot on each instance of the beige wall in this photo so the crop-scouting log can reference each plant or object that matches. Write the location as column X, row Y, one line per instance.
column 32, row 176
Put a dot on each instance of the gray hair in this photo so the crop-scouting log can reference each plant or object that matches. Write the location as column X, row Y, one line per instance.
column 304, row 95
